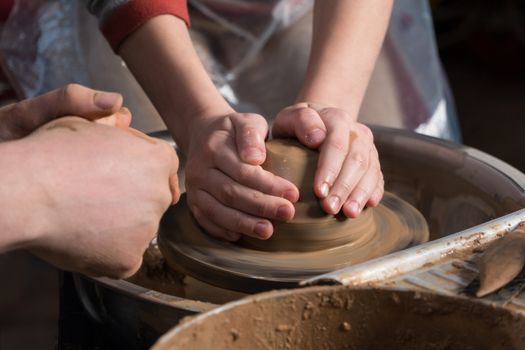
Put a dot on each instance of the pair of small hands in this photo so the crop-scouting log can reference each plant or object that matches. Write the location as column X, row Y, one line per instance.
column 230, row 194
column 94, row 188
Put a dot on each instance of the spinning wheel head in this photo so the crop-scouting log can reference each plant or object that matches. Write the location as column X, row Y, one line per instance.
column 312, row 243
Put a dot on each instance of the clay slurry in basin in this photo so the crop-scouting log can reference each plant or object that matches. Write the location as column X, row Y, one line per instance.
column 312, row 243
column 342, row 318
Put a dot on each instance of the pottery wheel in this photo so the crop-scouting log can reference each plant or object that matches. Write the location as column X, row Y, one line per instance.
column 313, row 243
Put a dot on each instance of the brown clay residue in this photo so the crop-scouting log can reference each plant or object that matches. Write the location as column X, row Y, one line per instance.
column 406, row 320
column 477, row 250
column 478, row 235
column 503, row 260
column 67, row 124
column 155, row 274
column 345, row 327
column 457, row 265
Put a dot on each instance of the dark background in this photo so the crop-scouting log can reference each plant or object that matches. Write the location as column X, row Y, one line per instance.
column 482, row 47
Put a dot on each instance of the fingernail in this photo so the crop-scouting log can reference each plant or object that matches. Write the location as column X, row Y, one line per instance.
column 106, row 100
column 291, row 195
column 284, row 212
column 324, row 190
column 124, row 110
column 315, row 136
column 354, row 207
column 252, row 154
column 174, row 188
column 123, row 118
column 329, row 179
column 334, row 203
column 262, row 229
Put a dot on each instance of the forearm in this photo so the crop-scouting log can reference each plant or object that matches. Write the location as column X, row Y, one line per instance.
column 161, row 56
column 19, row 221
column 347, row 37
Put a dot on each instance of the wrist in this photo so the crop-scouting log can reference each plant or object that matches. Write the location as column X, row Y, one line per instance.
column 320, row 92
column 320, row 104
column 206, row 114
column 197, row 121
column 22, row 218
column 173, row 76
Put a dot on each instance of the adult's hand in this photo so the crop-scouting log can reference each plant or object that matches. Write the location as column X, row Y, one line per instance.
column 93, row 195
column 20, row 119
column 348, row 175
column 229, row 193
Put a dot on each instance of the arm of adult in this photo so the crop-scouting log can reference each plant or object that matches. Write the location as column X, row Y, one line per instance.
column 20, row 119
column 84, row 196
column 228, row 191
column 347, row 36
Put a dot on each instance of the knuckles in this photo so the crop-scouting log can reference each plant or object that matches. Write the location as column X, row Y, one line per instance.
column 305, row 114
column 69, row 91
column 365, row 132
column 338, row 144
column 206, row 209
column 335, row 116
column 251, row 118
column 228, row 194
column 346, row 187
column 238, row 223
column 245, row 172
column 359, row 160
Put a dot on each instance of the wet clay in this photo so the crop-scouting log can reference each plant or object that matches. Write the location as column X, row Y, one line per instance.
column 342, row 318
column 501, row 262
column 311, row 229
column 312, row 243
column 155, row 274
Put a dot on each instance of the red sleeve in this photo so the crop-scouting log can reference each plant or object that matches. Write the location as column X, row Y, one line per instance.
column 130, row 16
column 5, row 9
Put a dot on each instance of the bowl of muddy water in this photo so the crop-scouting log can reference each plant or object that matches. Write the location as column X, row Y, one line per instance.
column 345, row 318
